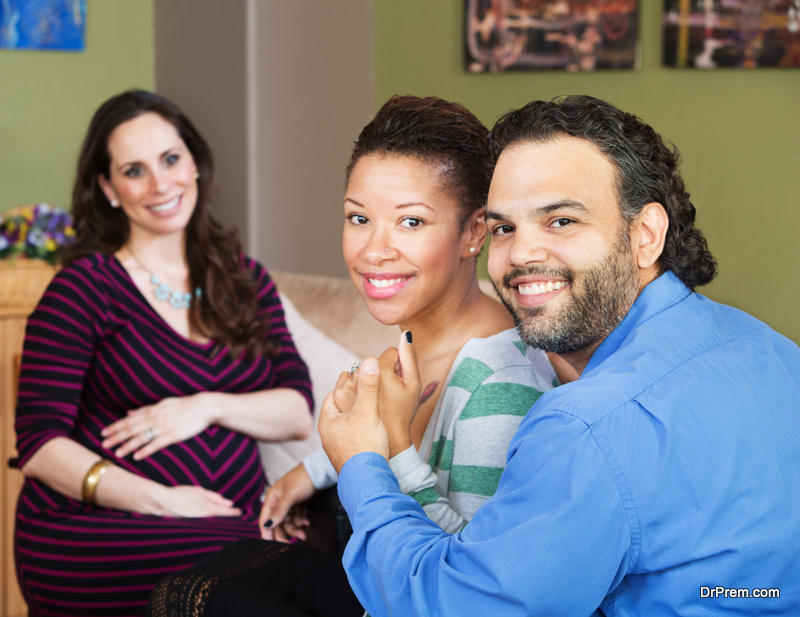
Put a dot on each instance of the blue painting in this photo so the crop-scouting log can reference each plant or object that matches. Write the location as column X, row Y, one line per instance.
column 56, row 25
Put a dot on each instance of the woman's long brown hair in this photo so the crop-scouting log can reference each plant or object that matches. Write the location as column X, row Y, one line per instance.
column 228, row 311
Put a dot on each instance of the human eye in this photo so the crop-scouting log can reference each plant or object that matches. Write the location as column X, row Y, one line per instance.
column 171, row 159
column 412, row 222
column 502, row 230
column 134, row 171
column 561, row 222
column 357, row 219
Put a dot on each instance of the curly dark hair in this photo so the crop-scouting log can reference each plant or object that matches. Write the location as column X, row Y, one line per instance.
column 647, row 169
column 435, row 131
column 228, row 311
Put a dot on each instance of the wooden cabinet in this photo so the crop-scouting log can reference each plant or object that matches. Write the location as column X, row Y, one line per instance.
column 22, row 283
column 12, row 326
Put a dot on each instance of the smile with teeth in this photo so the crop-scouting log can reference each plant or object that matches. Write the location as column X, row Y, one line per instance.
column 386, row 282
column 167, row 206
column 534, row 289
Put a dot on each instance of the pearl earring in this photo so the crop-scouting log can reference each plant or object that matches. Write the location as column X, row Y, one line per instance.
column 472, row 249
column 114, row 203
column 196, row 175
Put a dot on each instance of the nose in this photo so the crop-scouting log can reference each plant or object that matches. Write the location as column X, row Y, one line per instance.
column 526, row 250
column 159, row 181
column 379, row 247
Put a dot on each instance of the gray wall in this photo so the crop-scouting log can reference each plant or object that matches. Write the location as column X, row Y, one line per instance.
column 281, row 89
column 201, row 65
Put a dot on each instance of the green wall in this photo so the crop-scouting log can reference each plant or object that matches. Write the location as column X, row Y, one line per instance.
column 738, row 132
column 47, row 99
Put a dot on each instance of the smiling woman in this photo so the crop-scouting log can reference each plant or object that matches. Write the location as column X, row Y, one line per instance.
column 153, row 178
column 400, row 234
column 154, row 361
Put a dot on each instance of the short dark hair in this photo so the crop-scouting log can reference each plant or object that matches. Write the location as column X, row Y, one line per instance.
column 435, row 131
column 647, row 169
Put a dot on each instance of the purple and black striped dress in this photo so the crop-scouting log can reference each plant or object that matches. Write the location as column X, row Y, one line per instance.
column 95, row 349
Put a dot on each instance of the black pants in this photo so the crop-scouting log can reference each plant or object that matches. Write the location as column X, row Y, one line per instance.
column 257, row 578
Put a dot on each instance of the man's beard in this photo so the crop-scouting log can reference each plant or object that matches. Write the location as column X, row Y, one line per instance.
column 601, row 296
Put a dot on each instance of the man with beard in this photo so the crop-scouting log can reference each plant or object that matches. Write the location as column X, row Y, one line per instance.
column 665, row 480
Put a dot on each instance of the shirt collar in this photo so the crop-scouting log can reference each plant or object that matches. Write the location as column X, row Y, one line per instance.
column 656, row 297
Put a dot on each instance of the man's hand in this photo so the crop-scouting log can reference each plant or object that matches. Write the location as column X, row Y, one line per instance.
column 347, row 432
column 282, row 498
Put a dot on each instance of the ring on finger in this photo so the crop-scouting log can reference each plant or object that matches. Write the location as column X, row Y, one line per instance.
column 150, row 434
column 354, row 366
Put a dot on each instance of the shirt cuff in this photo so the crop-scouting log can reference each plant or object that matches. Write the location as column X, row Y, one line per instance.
column 363, row 476
column 320, row 469
column 411, row 472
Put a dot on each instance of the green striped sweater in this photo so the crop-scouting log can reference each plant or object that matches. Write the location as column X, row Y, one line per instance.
column 492, row 385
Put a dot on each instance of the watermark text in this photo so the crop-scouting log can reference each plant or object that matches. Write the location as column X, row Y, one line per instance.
column 731, row 592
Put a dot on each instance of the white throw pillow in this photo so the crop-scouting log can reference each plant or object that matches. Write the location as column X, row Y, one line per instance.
column 325, row 359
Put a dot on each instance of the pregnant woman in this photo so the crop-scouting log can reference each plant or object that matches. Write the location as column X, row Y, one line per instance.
column 156, row 358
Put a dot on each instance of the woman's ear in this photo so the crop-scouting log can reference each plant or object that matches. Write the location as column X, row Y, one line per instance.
column 107, row 189
column 475, row 231
column 652, row 224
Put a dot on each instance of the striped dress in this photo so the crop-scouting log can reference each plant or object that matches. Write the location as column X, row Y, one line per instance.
column 95, row 349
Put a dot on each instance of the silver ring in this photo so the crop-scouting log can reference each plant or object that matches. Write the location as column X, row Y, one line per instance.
column 150, row 434
column 354, row 366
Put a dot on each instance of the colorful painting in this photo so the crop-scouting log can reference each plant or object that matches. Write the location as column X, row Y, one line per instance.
column 571, row 35
column 711, row 34
column 57, row 25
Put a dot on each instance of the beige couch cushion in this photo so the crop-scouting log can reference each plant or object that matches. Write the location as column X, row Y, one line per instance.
column 333, row 306
column 325, row 359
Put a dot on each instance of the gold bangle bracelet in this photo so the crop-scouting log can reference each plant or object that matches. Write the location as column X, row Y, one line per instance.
column 92, row 478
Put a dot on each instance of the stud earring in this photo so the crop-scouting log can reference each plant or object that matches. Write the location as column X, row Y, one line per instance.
column 472, row 249
column 387, row 249
column 196, row 175
column 114, row 203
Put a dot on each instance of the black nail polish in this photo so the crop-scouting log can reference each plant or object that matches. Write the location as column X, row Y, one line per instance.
column 408, row 336
column 268, row 524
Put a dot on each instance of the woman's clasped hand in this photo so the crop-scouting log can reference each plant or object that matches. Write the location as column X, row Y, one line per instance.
column 398, row 395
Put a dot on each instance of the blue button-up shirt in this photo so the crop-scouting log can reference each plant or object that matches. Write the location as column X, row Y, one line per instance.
column 662, row 482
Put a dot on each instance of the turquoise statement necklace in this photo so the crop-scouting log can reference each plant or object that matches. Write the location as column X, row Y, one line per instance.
column 164, row 292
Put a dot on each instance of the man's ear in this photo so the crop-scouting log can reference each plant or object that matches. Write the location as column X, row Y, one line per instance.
column 105, row 185
column 475, row 231
column 652, row 224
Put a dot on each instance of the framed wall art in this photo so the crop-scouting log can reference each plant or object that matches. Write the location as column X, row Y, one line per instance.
column 56, row 25
column 711, row 34
column 571, row 35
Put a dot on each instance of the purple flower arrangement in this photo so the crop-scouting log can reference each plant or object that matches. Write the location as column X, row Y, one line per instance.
column 36, row 232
